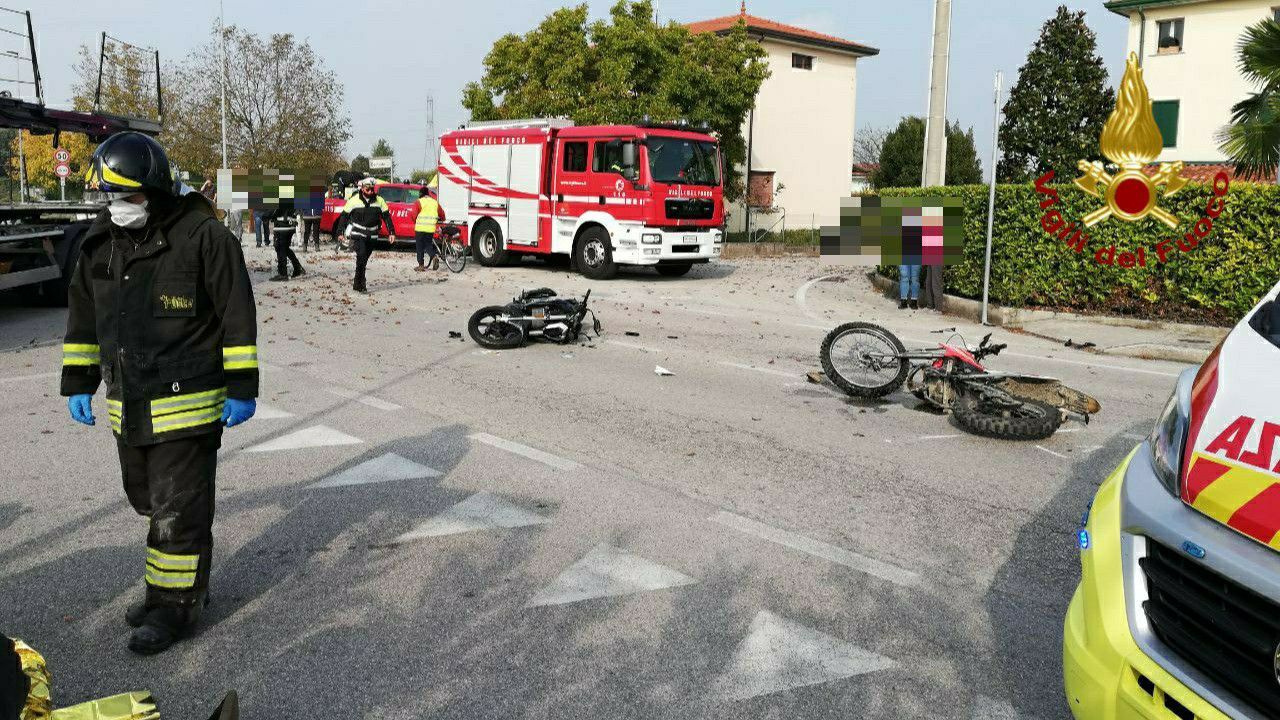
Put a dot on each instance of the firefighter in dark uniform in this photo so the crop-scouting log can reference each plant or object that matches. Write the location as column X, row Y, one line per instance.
column 161, row 311
column 361, row 217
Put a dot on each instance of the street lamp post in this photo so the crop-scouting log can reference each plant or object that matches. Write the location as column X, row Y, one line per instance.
column 22, row 152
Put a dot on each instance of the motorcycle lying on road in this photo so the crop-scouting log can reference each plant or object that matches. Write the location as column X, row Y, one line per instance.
column 868, row 361
column 533, row 314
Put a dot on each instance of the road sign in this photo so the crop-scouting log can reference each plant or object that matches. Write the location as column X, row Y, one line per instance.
column 62, row 170
column 380, row 163
column 61, row 155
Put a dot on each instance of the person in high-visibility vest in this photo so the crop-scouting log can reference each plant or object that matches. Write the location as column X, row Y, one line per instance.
column 428, row 214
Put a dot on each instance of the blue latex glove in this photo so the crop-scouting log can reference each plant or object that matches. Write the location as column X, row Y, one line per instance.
column 236, row 411
column 81, row 407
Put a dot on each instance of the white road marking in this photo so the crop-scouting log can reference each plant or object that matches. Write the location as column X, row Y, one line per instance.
column 388, row 468
column 270, row 412
column 1070, row 430
column 633, row 346
column 315, row 436
column 608, row 571
column 481, row 511
column 802, row 296
column 1055, row 454
column 545, row 458
column 369, row 400
column 938, row 437
column 23, row 378
column 779, row 654
column 771, row 371
column 817, row 548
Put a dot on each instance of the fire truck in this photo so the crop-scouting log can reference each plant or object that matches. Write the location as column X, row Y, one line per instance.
column 601, row 195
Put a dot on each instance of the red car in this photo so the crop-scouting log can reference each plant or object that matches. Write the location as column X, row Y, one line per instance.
column 401, row 199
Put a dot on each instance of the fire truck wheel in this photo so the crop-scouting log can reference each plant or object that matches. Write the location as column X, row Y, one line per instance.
column 594, row 256
column 487, row 245
column 674, row 270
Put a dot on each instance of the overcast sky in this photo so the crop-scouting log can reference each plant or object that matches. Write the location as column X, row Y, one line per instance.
column 391, row 55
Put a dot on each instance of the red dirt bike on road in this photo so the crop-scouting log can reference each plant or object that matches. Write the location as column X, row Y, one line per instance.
column 868, row 361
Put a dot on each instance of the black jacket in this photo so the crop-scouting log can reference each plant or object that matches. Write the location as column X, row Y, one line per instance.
column 169, row 324
column 362, row 216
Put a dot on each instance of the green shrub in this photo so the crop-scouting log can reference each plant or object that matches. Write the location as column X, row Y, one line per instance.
column 1215, row 282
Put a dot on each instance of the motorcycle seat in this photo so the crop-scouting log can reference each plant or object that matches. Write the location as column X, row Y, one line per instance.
column 537, row 294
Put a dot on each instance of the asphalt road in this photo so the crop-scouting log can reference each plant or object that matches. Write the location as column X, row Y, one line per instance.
column 413, row 527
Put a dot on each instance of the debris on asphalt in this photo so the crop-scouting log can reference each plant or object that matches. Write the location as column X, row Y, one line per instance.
column 1082, row 346
column 659, row 370
column 673, row 337
column 632, row 333
column 455, row 334
column 568, row 356
column 816, row 377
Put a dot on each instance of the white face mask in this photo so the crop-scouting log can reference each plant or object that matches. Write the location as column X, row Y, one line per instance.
column 127, row 214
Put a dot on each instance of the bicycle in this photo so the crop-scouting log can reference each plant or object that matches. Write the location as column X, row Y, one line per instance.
column 453, row 250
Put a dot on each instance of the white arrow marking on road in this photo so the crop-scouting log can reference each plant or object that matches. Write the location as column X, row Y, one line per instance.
column 779, row 654
column 271, row 412
column 481, row 511
column 608, row 571
column 545, row 458
column 388, row 468
column 314, row 436
column 817, row 548
column 369, row 400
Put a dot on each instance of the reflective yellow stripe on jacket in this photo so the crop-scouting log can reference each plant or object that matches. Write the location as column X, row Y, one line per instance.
column 240, row 357
column 428, row 213
column 178, row 412
column 115, row 411
column 169, row 571
column 79, row 354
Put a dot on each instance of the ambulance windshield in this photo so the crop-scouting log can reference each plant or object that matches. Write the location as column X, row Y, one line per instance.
column 683, row 162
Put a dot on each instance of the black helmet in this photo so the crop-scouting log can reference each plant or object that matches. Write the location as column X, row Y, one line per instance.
column 130, row 162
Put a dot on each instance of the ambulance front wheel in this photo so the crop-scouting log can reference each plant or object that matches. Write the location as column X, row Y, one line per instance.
column 594, row 254
column 486, row 245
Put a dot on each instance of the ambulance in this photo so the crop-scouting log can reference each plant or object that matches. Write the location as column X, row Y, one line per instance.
column 600, row 196
column 1177, row 615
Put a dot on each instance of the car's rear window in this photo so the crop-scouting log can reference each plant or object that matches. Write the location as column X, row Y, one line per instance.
column 1267, row 322
column 398, row 194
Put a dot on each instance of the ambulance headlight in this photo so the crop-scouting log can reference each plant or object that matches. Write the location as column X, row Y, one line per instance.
column 1167, row 441
column 651, row 239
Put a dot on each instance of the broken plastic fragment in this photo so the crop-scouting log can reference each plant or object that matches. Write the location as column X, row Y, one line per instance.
column 659, row 370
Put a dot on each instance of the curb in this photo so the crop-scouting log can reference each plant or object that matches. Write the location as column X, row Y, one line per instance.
column 1017, row 319
column 766, row 249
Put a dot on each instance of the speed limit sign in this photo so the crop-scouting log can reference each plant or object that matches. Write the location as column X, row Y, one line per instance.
column 62, row 170
column 61, row 155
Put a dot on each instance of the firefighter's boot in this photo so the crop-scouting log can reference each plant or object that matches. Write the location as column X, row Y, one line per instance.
column 136, row 613
column 163, row 626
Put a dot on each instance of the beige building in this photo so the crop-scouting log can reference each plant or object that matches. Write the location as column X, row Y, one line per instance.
column 801, row 131
column 1188, row 54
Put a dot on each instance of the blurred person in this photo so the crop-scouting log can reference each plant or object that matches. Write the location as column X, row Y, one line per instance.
column 908, row 286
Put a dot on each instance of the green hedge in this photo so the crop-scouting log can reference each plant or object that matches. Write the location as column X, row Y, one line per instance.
column 1215, row 282
column 803, row 236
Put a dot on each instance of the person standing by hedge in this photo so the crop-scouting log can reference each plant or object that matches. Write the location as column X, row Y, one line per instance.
column 908, row 286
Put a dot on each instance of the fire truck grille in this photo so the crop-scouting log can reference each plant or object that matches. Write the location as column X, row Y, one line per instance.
column 1225, row 630
column 690, row 209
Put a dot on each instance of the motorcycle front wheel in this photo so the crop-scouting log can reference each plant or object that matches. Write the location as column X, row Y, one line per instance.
column 1026, row 420
column 489, row 330
column 863, row 360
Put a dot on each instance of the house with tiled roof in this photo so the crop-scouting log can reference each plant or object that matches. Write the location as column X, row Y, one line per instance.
column 1187, row 49
column 801, row 130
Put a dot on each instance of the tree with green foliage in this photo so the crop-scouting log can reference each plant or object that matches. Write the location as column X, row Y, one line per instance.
column 1057, row 107
column 1252, row 140
column 360, row 163
column 623, row 69
column 382, row 148
column 422, row 177
column 902, row 155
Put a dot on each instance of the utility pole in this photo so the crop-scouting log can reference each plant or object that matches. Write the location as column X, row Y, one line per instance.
column 222, row 45
column 991, row 196
column 934, row 168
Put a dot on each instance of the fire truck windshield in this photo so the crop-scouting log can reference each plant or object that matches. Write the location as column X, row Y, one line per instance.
column 683, row 162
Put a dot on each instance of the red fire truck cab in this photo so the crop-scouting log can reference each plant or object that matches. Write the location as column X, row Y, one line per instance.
column 603, row 195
